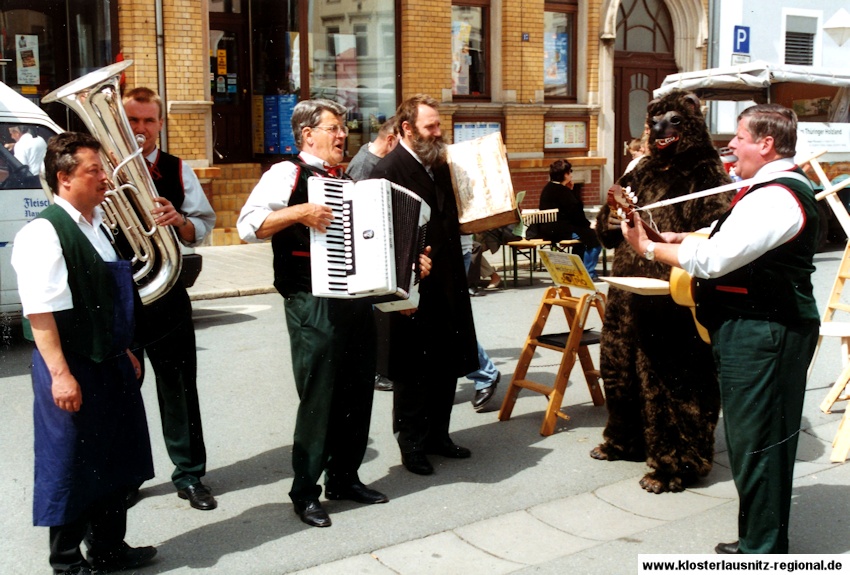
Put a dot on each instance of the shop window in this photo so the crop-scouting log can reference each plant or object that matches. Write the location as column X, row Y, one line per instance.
column 470, row 47
column 318, row 49
column 47, row 47
column 559, row 51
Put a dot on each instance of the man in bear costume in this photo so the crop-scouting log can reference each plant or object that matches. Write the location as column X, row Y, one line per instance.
column 660, row 382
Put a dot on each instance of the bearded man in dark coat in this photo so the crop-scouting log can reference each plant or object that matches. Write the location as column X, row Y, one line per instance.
column 434, row 345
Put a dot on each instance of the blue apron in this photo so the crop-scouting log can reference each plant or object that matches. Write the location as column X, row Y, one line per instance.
column 84, row 456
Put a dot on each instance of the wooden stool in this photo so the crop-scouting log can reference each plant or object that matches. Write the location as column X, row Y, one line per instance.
column 570, row 344
column 527, row 249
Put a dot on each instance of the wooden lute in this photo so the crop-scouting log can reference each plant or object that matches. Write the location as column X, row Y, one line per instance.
column 622, row 202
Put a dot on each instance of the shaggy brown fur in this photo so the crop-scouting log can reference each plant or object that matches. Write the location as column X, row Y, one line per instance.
column 660, row 382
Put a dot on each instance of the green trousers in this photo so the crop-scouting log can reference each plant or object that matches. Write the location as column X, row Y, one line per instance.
column 762, row 369
column 333, row 361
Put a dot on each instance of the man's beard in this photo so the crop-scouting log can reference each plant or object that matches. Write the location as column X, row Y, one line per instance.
column 432, row 150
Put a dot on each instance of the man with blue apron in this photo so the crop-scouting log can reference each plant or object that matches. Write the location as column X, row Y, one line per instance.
column 91, row 435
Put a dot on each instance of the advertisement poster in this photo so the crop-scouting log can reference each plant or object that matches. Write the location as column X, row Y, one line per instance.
column 572, row 134
column 555, row 59
column 566, row 269
column 26, row 48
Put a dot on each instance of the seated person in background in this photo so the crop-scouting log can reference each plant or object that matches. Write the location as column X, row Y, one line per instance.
column 571, row 223
column 637, row 148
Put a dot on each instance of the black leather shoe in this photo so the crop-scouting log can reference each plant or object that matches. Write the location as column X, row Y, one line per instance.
column 312, row 513
column 448, row 448
column 727, row 548
column 121, row 559
column 354, row 492
column 383, row 383
column 483, row 396
column 199, row 496
column 417, row 463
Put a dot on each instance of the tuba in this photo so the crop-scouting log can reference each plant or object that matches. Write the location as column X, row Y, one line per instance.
column 96, row 99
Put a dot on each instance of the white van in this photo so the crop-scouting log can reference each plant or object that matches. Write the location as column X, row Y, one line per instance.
column 21, row 195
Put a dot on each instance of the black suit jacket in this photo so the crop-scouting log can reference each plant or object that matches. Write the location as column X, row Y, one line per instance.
column 441, row 334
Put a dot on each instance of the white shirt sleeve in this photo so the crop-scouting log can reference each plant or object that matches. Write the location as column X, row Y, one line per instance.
column 196, row 206
column 761, row 221
column 271, row 193
column 40, row 266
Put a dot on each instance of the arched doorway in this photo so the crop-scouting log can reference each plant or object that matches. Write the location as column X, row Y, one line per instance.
column 643, row 57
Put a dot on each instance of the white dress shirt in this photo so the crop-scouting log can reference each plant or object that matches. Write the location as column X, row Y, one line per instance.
column 40, row 265
column 271, row 193
column 29, row 150
column 761, row 221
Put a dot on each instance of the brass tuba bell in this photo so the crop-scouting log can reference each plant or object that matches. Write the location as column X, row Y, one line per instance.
column 96, row 99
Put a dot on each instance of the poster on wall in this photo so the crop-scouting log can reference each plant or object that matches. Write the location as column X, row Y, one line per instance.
column 555, row 59
column 26, row 48
column 571, row 134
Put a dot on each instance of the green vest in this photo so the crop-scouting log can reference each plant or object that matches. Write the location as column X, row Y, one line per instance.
column 86, row 329
column 778, row 285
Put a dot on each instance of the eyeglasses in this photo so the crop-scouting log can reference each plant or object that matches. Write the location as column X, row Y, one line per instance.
column 334, row 130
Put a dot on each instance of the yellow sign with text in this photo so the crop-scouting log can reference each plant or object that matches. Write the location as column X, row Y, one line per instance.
column 566, row 270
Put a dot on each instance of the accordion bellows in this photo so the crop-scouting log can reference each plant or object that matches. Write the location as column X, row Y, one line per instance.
column 482, row 184
column 372, row 247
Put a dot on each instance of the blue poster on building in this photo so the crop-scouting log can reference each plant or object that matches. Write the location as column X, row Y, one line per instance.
column 286, row 104
column 555, row 58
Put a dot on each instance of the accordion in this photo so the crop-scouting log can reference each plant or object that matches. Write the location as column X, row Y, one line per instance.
column 372, row 246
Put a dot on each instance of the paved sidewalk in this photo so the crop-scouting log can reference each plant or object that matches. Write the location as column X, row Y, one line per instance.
column 523, row 504
column 232, row 271
column 599, row 527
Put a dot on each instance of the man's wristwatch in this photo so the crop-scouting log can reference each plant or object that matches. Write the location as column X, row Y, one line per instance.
column 185, row 221
column 650, row 251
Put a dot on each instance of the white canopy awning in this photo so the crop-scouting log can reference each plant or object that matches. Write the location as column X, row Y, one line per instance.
column 749, row 81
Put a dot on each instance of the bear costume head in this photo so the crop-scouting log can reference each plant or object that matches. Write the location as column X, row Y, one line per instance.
column 676, row 125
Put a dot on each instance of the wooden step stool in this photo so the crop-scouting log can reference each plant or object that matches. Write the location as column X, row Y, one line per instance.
column 570, row 344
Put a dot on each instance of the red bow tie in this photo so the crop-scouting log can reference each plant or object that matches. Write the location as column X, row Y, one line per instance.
column 335, row 172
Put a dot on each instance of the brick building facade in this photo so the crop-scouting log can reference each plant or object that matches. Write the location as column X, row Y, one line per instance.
column 558, row 78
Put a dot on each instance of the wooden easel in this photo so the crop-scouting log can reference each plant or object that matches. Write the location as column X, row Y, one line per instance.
column 832, row 328
column 569, row 344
